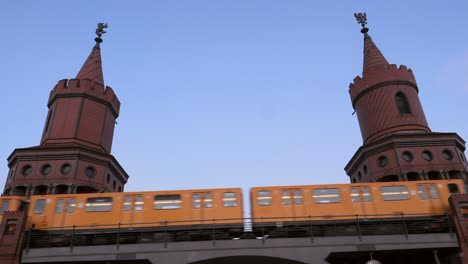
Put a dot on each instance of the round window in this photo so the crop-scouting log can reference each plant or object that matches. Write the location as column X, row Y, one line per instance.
column 359, row 176
column 65, row 169
column 90, row 172
column 382, row 161
column 365, row 169
column 114, row 184
column 447, row 154
column 46, row 169
column 26, row 170
column 407, row 156
column 427, row 155
column 108, row 178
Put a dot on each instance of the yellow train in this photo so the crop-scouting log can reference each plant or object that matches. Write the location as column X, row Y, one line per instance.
column 218, row 213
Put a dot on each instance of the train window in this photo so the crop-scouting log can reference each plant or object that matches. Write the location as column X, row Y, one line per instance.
column 5, row 206
column 285, row 198
column 330, row 195
column 99, row 204
column 394, row 193
column 354, row 195
column 59, row 206
column 297, row 197
column 208, row 200
column 366, row 196
column 264, row 198
column 422, row 192
column 167, row 201
column 39, row 206
column 453, row 188
column 139, row 203
column 433, row 191
column 196, row 198
column 229, row 199
column 71, row 205
column 127, row 203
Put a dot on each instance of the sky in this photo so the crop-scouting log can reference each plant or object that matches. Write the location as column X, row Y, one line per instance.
column 218, row 93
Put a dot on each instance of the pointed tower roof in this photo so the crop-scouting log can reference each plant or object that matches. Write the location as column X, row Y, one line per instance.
column 92, row 68
column 372, row 55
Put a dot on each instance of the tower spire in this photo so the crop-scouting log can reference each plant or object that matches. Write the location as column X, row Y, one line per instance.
column 92, row 67
column 372, row 56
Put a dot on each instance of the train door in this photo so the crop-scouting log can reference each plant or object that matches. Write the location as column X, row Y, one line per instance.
column 132, row 205
column 429, row 192
column 292, row 200
column 361, row 199
column 202, row 207
column 64, row 208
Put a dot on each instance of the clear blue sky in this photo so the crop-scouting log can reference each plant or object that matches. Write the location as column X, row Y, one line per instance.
column 229, row 93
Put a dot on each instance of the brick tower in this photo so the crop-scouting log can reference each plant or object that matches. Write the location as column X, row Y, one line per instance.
column 398, row 144
column 74, row 155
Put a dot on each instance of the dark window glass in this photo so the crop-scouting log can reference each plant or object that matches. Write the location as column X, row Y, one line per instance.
column 402, row 103
column 427, row 155
column 453, row 188
column 447, row 154
column 46, row 169
column 39, row 206
column 65, row 169
column 364, row 169
column 27, row 169
column 407, row 156
column 264, row 198
column 229, row 199
column 167, row 201
column 382, row 161
column 99, row 204
column 90, row 172
column 5, row 206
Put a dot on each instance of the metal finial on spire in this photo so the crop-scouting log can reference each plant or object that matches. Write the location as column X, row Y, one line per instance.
column 362, row 19
column 100, row 30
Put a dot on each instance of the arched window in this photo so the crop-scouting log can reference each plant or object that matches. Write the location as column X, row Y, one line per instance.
column 402, row 103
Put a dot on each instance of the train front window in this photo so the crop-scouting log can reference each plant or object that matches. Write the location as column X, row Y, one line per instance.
column 139, row 202
column 167, row 201
column 39, row 206
column 59, row 206
column 229, row 199
column 127, row 203
column 330, row 195
column 208, row 200
column 285, row 198
column 453, row 188
column 394, row 193
column 264, row 198
column 99, row 204
column 71, row 205
column 5, row 206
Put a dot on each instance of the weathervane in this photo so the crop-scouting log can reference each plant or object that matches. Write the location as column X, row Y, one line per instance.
column 100, row 30
column 362, row 19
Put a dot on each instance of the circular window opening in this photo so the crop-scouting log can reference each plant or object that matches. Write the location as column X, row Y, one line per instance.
column 108, row 178
column 427, row 155
column 90, row 172
column 382, row 161
column 359, row 176
column 407, row 156
column 65, row 169
column 46, row 169
column 26, row 170
column 365, row 169
column 447, row 154
column 114, row 184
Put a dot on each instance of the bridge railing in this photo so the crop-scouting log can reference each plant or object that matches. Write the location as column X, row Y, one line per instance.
column 233, row 229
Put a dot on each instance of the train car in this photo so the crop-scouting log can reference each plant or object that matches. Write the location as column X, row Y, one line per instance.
column 132, row 212
column 279, row 206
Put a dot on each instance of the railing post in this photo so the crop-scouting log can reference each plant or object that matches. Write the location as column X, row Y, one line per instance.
column 213, row 233
column 118, row 236
column 404, row 225
column 165, row 234
column 72, row 238
column 310, row 229
column 263, row 230
column 358, row 225
column 449, row 221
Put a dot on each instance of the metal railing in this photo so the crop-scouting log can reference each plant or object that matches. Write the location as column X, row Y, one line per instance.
column 233, row 229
